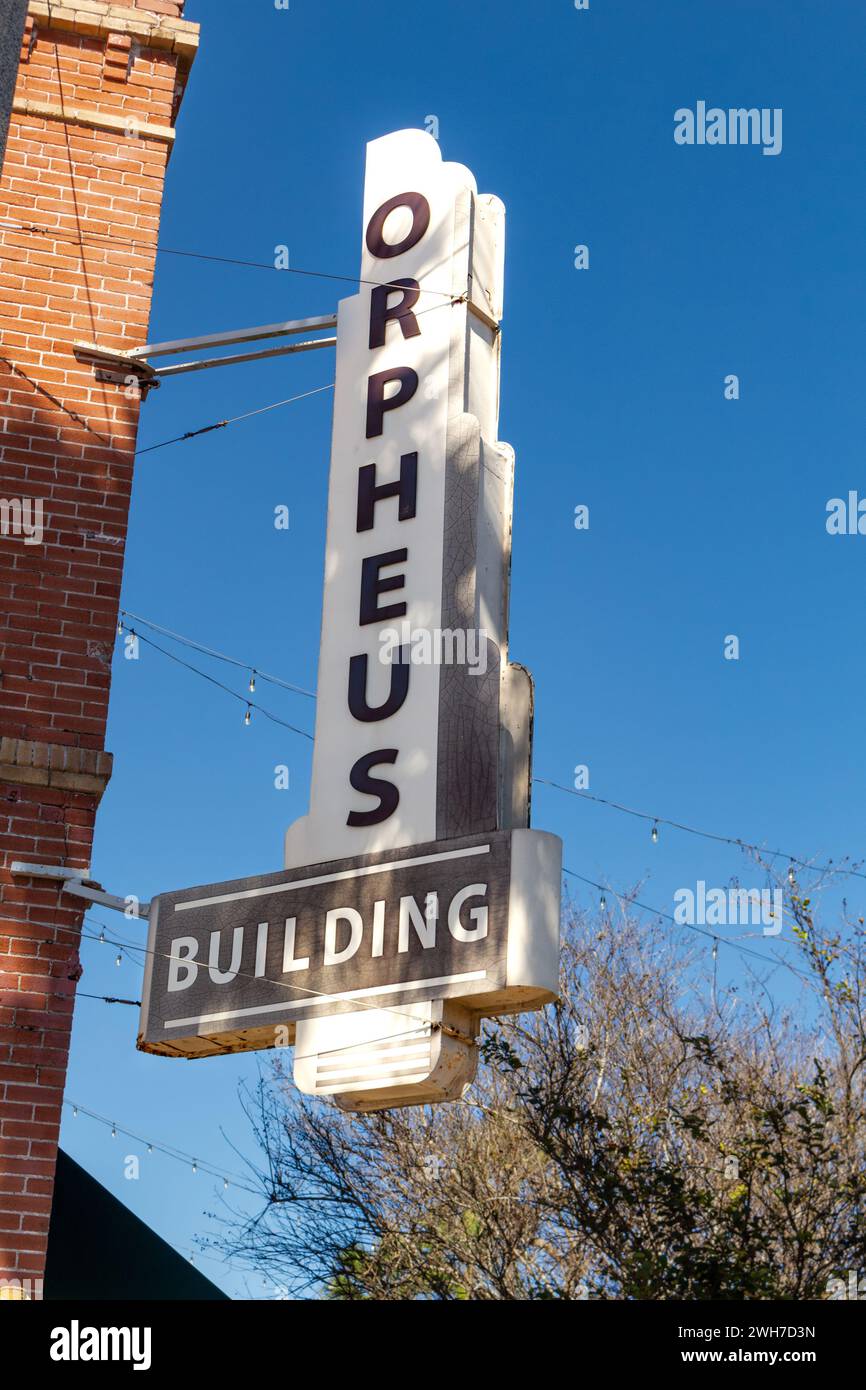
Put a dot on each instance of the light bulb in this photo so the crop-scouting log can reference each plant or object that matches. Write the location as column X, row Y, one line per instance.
column 75, row 1112
column 114, row 1131
column 603, row 902
column 248, row 716
column 119, row 960
column 252, row 682
column 194, row 1166
column 150, row 1148
column 102, row 936
column 654, row 834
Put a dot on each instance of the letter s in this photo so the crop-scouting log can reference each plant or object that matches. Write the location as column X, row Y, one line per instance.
column 360, row 779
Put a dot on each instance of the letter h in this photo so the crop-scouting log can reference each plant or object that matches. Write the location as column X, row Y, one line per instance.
column 405, row 488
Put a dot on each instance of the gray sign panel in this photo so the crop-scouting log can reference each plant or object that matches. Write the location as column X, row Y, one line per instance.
column 428, row 921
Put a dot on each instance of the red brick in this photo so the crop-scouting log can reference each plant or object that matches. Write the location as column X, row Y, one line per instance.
column 76, row 452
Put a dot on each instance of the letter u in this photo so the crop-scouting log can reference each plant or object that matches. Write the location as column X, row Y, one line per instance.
column 225, row 977
column 358, row 707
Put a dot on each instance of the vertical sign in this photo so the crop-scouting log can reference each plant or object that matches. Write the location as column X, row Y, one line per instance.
column 415, row 899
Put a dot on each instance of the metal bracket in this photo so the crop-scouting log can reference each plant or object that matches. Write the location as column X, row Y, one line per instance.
column 48, row 871
column 112, row 365
column 79, row 883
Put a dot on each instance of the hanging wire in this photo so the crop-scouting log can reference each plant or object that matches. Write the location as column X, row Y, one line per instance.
column 94, row 238
column 694, row 830
column 255, row 672
column 691, row 926
column 653, row 817
column 275, row 719
column 226, row 1176
column 233, row 420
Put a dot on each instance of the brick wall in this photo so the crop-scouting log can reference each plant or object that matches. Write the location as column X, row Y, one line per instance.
column 82, row 183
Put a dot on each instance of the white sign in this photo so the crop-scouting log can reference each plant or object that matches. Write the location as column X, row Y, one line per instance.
column 417, row 367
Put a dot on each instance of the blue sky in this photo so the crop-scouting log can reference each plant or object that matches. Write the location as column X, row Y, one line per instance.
column 707, row 516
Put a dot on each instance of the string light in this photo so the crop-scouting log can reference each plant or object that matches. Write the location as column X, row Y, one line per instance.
column 248, row 716
column 695, row 830
column 220, row 686
column 656, row 820
column 75, row 1112
column 189, row 1161
column 217, row 655
column 253, row 683
column 689, row 926
column 602, row 902
column 119, row 959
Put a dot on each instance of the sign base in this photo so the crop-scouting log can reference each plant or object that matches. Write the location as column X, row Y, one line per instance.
column 377, row 1060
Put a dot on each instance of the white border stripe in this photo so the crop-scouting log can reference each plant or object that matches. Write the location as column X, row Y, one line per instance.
column 328, row 999
column 333, row 878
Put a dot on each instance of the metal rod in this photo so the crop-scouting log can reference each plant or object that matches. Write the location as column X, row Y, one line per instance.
column 96, row 895
column 237, row 335
column 482, row 314
column 178, row 368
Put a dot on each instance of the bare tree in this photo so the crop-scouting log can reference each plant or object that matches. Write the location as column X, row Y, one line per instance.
column 651, row 1136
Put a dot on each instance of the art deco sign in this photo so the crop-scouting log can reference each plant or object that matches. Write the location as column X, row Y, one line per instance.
column 415, row 899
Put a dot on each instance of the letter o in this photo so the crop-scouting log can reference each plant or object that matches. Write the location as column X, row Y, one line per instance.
column 420, row 209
